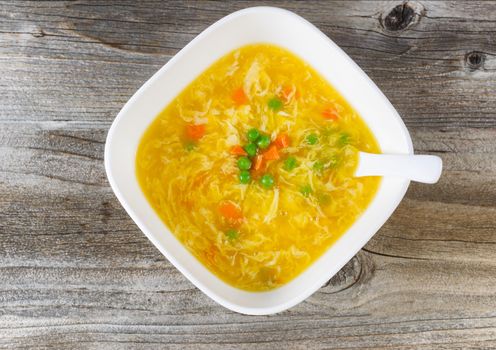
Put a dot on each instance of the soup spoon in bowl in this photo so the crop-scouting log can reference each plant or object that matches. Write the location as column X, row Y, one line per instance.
column 420, row 168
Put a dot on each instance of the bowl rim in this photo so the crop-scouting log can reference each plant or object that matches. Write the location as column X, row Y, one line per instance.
column 119, row 192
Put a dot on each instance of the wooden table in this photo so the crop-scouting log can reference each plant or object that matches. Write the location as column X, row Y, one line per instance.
column 75, row 272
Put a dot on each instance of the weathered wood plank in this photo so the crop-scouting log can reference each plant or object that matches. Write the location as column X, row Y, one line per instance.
column 117, row 47
column 76, row 272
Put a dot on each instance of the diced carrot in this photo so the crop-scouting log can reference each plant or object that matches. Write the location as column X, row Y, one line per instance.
column 195, row 131
column 239, row 97
column 187, row 203
column 230, row 211
column 330, row 113
column 272, row 153
column 282, row 141
column 210, row 254
column 289, row 92
column 238, row 151
column 258, row 162
column 199, row 180
column 286, row 92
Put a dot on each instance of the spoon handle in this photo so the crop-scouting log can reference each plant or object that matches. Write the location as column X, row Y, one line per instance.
column 420, row 168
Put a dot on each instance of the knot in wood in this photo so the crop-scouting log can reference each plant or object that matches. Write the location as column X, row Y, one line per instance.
column 358, row 270
column 38, row 33
column 399, row 18
column 475, row 59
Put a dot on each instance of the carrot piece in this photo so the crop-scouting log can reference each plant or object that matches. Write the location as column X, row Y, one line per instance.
column 258, row 162
column 272, row 153
column 289, row 92
column 238, row 151
column 195, row 131
column 210, row 254
column 230, row 211
column 282, row 141
column 199, row 180
column 330, row 113
column 286, row 92
column 239, row 97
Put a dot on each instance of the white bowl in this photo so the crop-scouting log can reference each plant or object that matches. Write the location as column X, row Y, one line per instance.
column 285, row 29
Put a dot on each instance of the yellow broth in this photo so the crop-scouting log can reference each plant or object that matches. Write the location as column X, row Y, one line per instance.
column 257, row 232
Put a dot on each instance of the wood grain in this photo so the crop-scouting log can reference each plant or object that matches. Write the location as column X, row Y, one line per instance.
column 75, row 272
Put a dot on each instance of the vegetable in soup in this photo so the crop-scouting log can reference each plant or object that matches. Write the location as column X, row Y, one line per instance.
column 251, row 165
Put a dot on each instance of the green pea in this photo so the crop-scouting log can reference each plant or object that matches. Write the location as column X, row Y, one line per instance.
column 343, row 139
column 232, row 234
column 318, row 166
column 312, row 139
column 333, row 161
column 253, row 135
column 290, row 163
column 189, row 146
column 263, row 142
column 324, row 198
column 275, row 104
column 306, row 190
column 244, row 163
column 267, row 181
column 244, row 176
column 251, row 149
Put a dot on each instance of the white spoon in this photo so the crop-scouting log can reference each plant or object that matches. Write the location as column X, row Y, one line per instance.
column 420, row 168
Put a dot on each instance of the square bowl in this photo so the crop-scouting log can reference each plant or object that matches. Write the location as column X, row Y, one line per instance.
column 288, row 30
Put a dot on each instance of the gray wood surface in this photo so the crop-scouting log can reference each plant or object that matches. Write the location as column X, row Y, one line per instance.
column 75, row 272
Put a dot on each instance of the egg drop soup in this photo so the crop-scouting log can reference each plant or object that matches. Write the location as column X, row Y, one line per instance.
column 251, row 167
